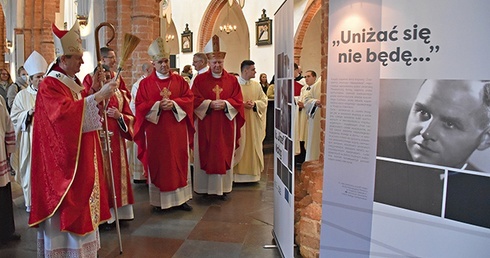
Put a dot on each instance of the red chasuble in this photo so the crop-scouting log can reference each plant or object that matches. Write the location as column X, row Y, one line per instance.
column 216, row 131
column 297, row 88
column 122, row 178
column 67, row 173
column 163, row 147
column 87, row 83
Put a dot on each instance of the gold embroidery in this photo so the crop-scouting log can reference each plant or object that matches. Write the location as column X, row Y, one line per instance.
column 120, row 100
column 124, row 169
column 95, row 195
column 217, row 89
column 165, row 93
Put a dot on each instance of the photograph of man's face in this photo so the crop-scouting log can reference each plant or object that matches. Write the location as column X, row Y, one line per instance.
column 448, row 121
column 432, row 150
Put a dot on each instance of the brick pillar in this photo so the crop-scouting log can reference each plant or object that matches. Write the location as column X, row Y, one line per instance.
column 27, row 30
column 38, row 17
column 308, row 208
column 139, row 19
column 309, row 182
column 123, row 27
column 111, row 11
column 324, row 43
column 145, row 24
column 46, row 48
column 3, row 35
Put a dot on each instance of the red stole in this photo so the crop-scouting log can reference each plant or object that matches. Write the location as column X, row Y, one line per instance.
column 216, row 131
column 163, row 147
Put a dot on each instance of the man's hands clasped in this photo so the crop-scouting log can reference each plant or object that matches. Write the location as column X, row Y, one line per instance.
column 249, row 104
column 166, row 104
column 218, row 104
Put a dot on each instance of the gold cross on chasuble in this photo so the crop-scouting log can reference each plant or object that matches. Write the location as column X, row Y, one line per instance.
column 217, row 90
column 165, row 93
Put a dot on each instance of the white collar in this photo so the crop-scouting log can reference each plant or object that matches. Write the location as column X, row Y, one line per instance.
column 242, row 81
column 203, row 70
column 31, row 87
column 162, row 76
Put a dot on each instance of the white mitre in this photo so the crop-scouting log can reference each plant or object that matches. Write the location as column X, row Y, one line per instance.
column 35, row 64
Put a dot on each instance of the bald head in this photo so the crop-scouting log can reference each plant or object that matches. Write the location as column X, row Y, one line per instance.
column 147, row 68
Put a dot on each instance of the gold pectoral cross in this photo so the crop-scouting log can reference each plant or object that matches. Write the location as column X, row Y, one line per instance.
column 217, row 90
column 165, row 93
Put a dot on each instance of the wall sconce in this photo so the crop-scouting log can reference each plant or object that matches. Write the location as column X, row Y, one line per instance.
column 169, row 37
column 8, row 44
column 82, row 20
column 83, row 9
column 227, row 27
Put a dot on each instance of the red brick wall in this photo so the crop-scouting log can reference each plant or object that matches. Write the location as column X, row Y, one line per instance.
column 308, row 208
column 146, row 26
column 38, row 17
column 139, row 19
column 2, row 42
column 324, row 43
column 309, row 182
column 46, row 47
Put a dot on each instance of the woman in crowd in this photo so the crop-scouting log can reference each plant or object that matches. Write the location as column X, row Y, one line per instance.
column 270, row 90
column 5, row 82
column 263, row 82
column 187, row 73
column 21, row 82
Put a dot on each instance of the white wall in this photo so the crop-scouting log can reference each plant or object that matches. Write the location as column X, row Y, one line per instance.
column 263, row 56
column 310, row 54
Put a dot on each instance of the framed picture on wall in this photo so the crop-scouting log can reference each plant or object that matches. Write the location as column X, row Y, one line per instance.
column 186, row 40
column 263, row 30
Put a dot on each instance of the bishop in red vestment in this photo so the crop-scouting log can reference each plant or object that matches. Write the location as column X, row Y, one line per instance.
column 73, row 159
column 164, row 130
column 218, row 104
column 68, row 185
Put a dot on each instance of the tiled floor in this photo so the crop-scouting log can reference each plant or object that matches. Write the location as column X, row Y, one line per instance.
column 237, row 227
